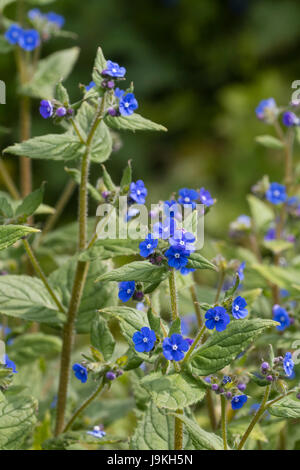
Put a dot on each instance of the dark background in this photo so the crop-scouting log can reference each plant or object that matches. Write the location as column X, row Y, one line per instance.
column 199, row 67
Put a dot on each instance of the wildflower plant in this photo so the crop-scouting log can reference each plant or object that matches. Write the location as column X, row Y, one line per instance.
column 111, row 287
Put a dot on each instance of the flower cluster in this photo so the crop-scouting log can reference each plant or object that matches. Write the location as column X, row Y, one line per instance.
column 26, row 39
column 280, row 368
column 231, row 388
column 54, row 19
column 129, row 289
column 218, row 318
column 54, row 109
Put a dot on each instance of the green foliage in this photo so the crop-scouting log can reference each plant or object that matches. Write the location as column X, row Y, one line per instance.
column 29, row 347
column 201, row 439
column 286, row 408
column 142, row 271
column 133, row 123
column 269, row 141
column 10, row 234
column 130, row 319
column 101, row 337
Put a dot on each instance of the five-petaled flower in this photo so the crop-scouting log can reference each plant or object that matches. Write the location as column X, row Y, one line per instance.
column 288, row 364
column 218, row 318
column 178, row 256
column 175, row 347
column 144, row 340
column 238, row 401
column 46, row 109
column 128, row 104
column 276, row 194
column 10, row 364
column 281, row 316
column 13, row 34
column 126, row 290
column 80, row 372
column 97, row 432
column 29, row 40
column 114, row 70
column 138, row 192
column 205, row 197
column 188, row 196
column 238, row 308
column 148, row 246
column 184, row 239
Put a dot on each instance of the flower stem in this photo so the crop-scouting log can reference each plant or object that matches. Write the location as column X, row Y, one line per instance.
column 178, row 435
column 41, row 275
column 173, row 295
column 195, row 302
column 79, row 280
column 211, row 410
column 224, row 422
column 256, row 418
column 25, row 131
column 196, row 341
column 220, row 285
column 85, row 404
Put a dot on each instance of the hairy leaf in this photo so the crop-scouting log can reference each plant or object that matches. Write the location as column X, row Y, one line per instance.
column 142, row 271
column 101, row 337
column 202, row 440
column 135, row 122
column 286, row 408
column 29, row 347
column 9, row 234
column 197, row 261
column 17, row 419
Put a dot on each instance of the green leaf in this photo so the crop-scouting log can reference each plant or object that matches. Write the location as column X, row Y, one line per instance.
column 49, row 147
column 10, row 234
column 286, row 408
column 109, row 248
column 202, row 440
column 107, row 180
column 31, row 202
column 175, row 327
column 6, row 209
column 154, row 322
column 101, row 147
column 99, row 66
column 126, row 179
column 29, row 347
column 135, row 122
column 61, row 94
column 142, row 271
column 4, row 3
column 50, row 71
column 281, row 276
column 5, row 46
column 278, row 246
column 197, row 261
column 261, row 213
column 269, row 141
column 101, row 337
column 222, row 348
column 26, row 297
column 17, row 419
column 130, row 319
column 173, row 391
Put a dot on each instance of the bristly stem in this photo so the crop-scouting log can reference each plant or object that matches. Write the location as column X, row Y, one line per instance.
column 256, row 418
column 41, row 275
column 220, row 285
column 173, row 295
column 178, row 436
column 85, row 404
column 224, row 421
column 195, row 302
column 211, row 410
column 196, row 341
column 80, row 277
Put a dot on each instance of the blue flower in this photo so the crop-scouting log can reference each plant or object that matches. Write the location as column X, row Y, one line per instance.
column 80, row 372
column 184, row 239
column 270, row 235
column 34, row 13
column 126, row 290
column 138, row 192
column 290, row 119
column 281, row 316
column 175, row 347
column 238, row 308
column 267, row 110
column 205, row 197
column 240, row 271
column 13, row 34
column 114, row 70
column 188, row 196
column 288, row 364
column 171, row 208
column 276, row 194
column 119, row 93
column 10, row 364
column 218, row 318
column 29, row 40
column 128, row 104
column 238, row 401
column 90, row 86
column 186, row 271
column 165, row 229
column 226, row 380
column 148, row 246
column 178, row 256
column 46, row 109
column 56, row 19
column 97, row 432
column 144, row 340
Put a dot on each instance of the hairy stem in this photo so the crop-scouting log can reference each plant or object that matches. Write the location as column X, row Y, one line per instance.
column 178, row 435
column 220, row 285
column 256, row 418
column 195, row 302
column 41, row 275
column 211, row 410
column 224, row 422
column 196, row 341
column 25, row 131
column 173, row 295
column 84, row 405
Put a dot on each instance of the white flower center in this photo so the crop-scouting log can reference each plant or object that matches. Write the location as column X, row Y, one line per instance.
column 96, row 428
column 276, row 193
column 138, row 192
column 175, row 347
column 287, row 364
column 114, row 70
column 282, row 319
column 148, row 246
column 236, row 308
column 177, row 255
column 82, row 371
column 203, row 198
column 126, row 104
column 181, row 242
column 217, row 318
column 187, row 199
column 128, row 291
column 236, row 399
column 145, row 340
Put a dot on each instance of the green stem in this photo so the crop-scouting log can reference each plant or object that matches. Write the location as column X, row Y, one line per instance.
column 84, row 406
column 77, row 131
column 41, row 275
column 220, row 285
column 196, row 302
column 224, row 422
column 256, row 418
column 80, row 278
column 173, row 295
column 211, row 410
column 196, row 341
column 270, row 403
column 178, row 435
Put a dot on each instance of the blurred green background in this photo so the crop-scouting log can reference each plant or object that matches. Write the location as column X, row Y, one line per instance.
column 199, row 67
